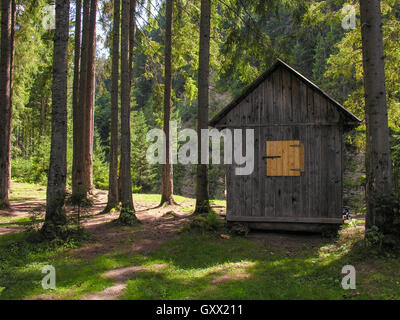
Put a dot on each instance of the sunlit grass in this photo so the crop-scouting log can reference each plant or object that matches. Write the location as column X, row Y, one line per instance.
column 199, row 266
column 196, row 266
column 155, row 199
column 26, row 191
column 14, row 221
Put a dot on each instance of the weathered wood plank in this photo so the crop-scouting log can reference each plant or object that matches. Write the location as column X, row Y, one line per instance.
column 236, row 181
column 310, row 105
column 228, row 190
column 270, row 182
column 295, row 100
column 289, row 219
column 339, row 171
column 286, row 106
column 296, row 197
column 256, row 176
column 287, row 182
column 277, row 96
column 303, row 116
column 323, row 177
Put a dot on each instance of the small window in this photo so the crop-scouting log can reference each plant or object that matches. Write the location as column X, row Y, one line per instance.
column 285, row 158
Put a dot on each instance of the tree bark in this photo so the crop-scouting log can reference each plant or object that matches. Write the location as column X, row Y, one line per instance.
column 13, row 19
column 125, row 171
column 113, row 192
column 167, row 186
column 132, row 26
column 202, row 194
column 76, row 108
column 377, row 161
column 55, row 215
column 79, row 187
column 5, row 101
column 89, row 110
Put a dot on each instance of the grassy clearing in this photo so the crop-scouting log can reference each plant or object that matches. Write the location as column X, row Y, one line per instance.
column 201, row 265
column 156, row 198
column 204, row 266
column 26, row 191
column 21, row 263
column 14, row 221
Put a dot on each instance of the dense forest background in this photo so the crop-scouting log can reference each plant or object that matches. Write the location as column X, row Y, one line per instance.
column 246, row 39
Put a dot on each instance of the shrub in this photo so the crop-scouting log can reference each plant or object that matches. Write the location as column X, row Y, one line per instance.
column 389, row 207
column 100, row 166
column 127, row 217
column 374, row 237
column 33, row 169
column 207, row 222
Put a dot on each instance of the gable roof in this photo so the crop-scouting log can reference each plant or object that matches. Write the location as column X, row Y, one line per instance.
column 352, row 120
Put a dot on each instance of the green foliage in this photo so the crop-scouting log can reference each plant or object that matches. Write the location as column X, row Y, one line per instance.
column 144, row 175
column 388, row 206
column 127, row 217
column 100, row 166
column 206, row 222
column 35, row 218
column 345, row 64
column 395, row 146
column 374, row 237
column 33, row 169
column 239, row 229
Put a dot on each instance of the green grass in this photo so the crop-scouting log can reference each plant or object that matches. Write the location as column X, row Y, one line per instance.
column 201, row 266
column 156, row 198
column 26, row 191
column 21, row 263
column 15, row 221
column 250, row 270
column 196, row 266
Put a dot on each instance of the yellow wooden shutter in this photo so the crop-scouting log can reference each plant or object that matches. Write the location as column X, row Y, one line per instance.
column 285, row 158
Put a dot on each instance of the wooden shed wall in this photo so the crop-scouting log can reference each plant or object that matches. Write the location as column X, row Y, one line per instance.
column 284, row 108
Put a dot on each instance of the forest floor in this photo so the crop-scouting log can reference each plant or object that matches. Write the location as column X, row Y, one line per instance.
column 162, row 258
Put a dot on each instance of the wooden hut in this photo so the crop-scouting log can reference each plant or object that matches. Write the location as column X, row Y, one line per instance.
column 297, row 182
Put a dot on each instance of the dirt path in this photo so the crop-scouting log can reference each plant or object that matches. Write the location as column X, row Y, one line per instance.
column 120, row 276
column 157, row 225
column 19, row 209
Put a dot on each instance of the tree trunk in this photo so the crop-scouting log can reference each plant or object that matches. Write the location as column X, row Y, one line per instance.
column 113, row 173
column 377, row 159
column 167, row 184
column 5, row 101
column 89, row 110
column 76, row 108
column 55, row 214
column 202, row 195
column 132, row 25
column 125, row 171
column 79, row 188
column 13, row 19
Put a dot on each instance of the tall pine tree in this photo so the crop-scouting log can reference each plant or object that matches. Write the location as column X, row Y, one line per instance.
column 55, row 215
column 377, row 160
